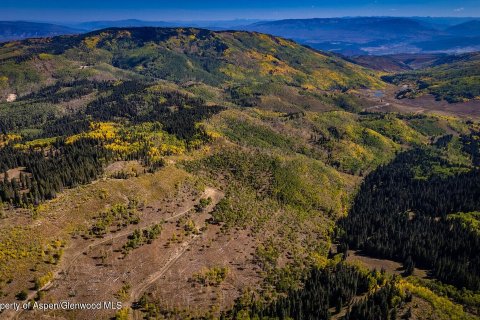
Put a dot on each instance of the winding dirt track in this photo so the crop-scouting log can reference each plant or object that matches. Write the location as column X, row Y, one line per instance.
column 138, row 290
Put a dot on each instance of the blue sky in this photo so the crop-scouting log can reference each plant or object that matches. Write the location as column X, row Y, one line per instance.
column 85, row 10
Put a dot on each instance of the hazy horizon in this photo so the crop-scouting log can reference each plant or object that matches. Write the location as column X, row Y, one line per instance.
column 252, row 20
column 187, row 10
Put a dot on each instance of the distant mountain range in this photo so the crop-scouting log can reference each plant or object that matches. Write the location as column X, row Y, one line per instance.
column 378, row 35
column 351, row 36
column 15, row 30
column 468, row 28
column 18, row 30
column 97, row 25
column 357, row 30
column 208, row 24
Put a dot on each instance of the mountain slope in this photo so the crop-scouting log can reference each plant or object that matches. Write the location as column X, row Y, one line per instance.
column 382, row 63
column 14, row 30
column 452, row 78
column 245, row 64
column 466, row 29
column 407, row 62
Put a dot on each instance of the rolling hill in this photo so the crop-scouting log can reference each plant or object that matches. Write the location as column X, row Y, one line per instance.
column 249, row 65
column 405, row 62
column 452, row 78
column 382, row 63
column 469, row 29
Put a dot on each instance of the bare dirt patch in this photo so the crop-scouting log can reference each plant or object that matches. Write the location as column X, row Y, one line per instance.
column 423, row 104
column 96, row 269
column 77, row 104
column 14, row 173
column 124, row 169
column 11, row 97
column 176, row 290
column 389, row 266
column 71, row 213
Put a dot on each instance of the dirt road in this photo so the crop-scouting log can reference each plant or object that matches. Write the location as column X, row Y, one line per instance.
column 140, row 288
column 68, row 262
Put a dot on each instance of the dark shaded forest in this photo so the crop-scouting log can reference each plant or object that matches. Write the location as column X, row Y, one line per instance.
column 380, row 305
column 399, row 216
column 67, row 91
column 326, row 292
column 48, row 172
column 332, row 287
column 176, row 111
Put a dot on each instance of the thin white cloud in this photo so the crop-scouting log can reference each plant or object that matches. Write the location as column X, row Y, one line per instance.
column 459, row 9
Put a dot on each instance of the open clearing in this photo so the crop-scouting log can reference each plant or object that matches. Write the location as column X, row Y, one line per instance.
column 96, row 269
column 424, row 104
column 389, row 266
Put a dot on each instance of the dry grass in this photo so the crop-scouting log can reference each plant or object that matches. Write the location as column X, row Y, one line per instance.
column 28, row 232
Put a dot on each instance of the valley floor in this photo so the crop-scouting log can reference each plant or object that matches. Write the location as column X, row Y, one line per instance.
column 425, row 104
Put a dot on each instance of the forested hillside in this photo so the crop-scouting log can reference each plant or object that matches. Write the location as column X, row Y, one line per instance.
column 416, row 228
column 455, row 79
column 257, row 61
column 192, row 174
